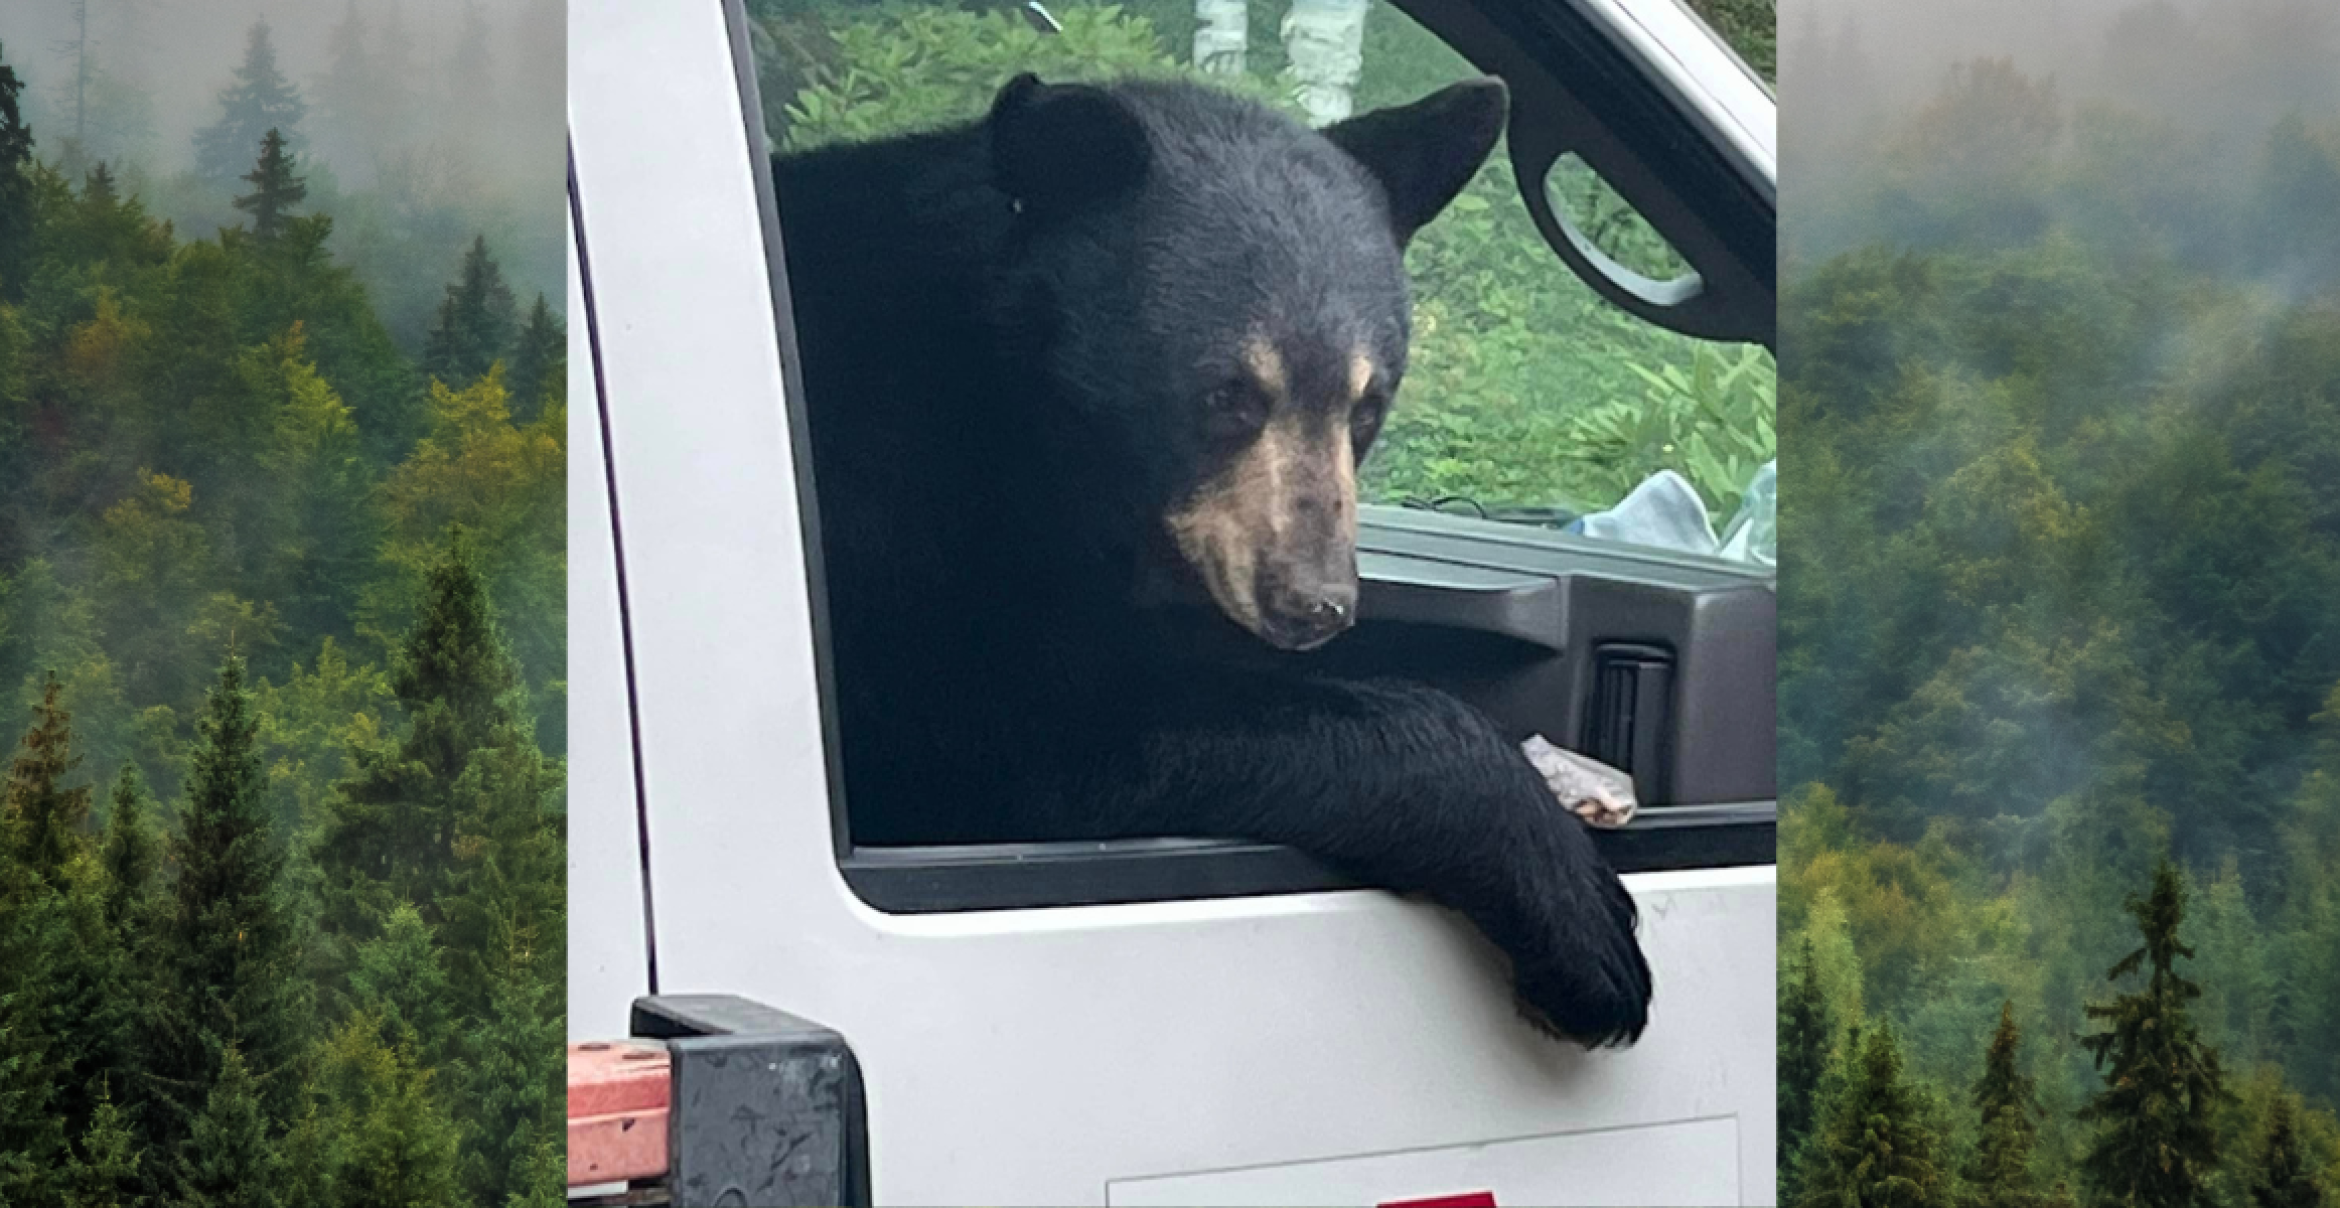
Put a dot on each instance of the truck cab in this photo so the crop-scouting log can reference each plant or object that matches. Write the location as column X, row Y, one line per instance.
column 1167, row 1021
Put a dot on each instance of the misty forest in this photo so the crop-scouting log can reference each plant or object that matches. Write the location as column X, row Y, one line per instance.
column 2060, row 665
column 282, row 611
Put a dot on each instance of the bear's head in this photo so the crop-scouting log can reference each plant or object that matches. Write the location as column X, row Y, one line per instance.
column 1214, row 298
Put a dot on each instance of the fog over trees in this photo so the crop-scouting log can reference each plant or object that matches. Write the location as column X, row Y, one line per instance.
column 2060, row 405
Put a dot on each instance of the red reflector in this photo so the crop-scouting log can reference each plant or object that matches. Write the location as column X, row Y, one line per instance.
column 1468, row 1199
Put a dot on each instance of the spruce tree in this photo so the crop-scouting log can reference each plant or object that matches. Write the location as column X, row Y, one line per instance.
column 60, row 970
column 1875, row 1149
column 2282, row 1178
column 106, row 1171
column 33, row 1136
column 397, row 1144
column 17, row 212
column 1998, row 1175
column 509, row 870
column 132, row 857
column 259, row 100
column 230, row 1159
column 1804, row 1032
column 474, row 324
column 275, row 189
column 540, row 362
column 541, row 1180
column 399, row 980
column 45, row 816
column 312, row 1157
column 515, row 1092
column 392, row 832
column 2157, row 1145
column 235, row 962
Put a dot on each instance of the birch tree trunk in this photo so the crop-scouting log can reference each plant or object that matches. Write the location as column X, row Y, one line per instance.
column 1324, row 41
column 1222, row 32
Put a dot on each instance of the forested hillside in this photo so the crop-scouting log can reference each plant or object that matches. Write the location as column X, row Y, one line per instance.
column 2060, row 392
column 282, row 631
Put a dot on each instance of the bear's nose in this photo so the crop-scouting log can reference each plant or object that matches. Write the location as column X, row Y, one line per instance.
column 1299, row 619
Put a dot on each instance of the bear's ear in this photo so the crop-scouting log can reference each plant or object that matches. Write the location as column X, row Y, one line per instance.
column 1057, row 146
column 1424, row 153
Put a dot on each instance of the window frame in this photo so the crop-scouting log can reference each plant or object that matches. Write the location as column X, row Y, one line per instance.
column 967, row 878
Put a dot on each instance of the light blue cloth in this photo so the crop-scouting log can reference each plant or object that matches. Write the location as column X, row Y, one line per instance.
column 1665, row 512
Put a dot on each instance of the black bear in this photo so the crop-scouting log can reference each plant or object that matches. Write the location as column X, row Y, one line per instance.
column 1086, row 385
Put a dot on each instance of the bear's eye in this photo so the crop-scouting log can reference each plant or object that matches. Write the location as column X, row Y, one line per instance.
column 1365, row 418
column 1235, row 411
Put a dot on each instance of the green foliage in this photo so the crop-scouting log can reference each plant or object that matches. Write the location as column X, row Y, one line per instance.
column 1805, row 1036
column 475, row 324
column 275, row 189
column 391, row 836
column 228, row 1161
column 540, row 361
column 2158, row 1146
column 233, row 988
column 1998, row 1175
column 17, row 213
column 1876, row 1149
column 132, row 857
column 2282, row 1178
column 43, row 813
column 106, row 1170
column 399, row 980
column 398, row 1145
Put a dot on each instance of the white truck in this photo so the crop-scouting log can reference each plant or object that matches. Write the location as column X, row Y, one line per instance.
column 1169, row 1021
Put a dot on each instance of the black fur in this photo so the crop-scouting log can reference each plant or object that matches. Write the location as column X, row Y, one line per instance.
column 1008, row 330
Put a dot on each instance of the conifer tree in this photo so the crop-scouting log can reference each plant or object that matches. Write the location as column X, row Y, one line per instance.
column 1875, row 1149
column 541, row 1180
column 1804, row 1032
column 106, row 1171
column 44, row 815
column 230, row 1160
column 515, row 1092
column 17, row 213
column 33, row 1136
column 312, row 1157
column 2157, row 1145
column 540, row 362
column 400, row 981
column 275, row 188
column 59, row 967
column 392, row 833
column 260, row 99
column 234, row 984
column 509, row 870
column 1999, row 1173
column 131, row 856
column 397, row 1142
column 475, row 321
column 2282, row 1178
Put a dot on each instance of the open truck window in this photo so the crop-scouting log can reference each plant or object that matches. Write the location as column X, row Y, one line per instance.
column 1573, row 351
